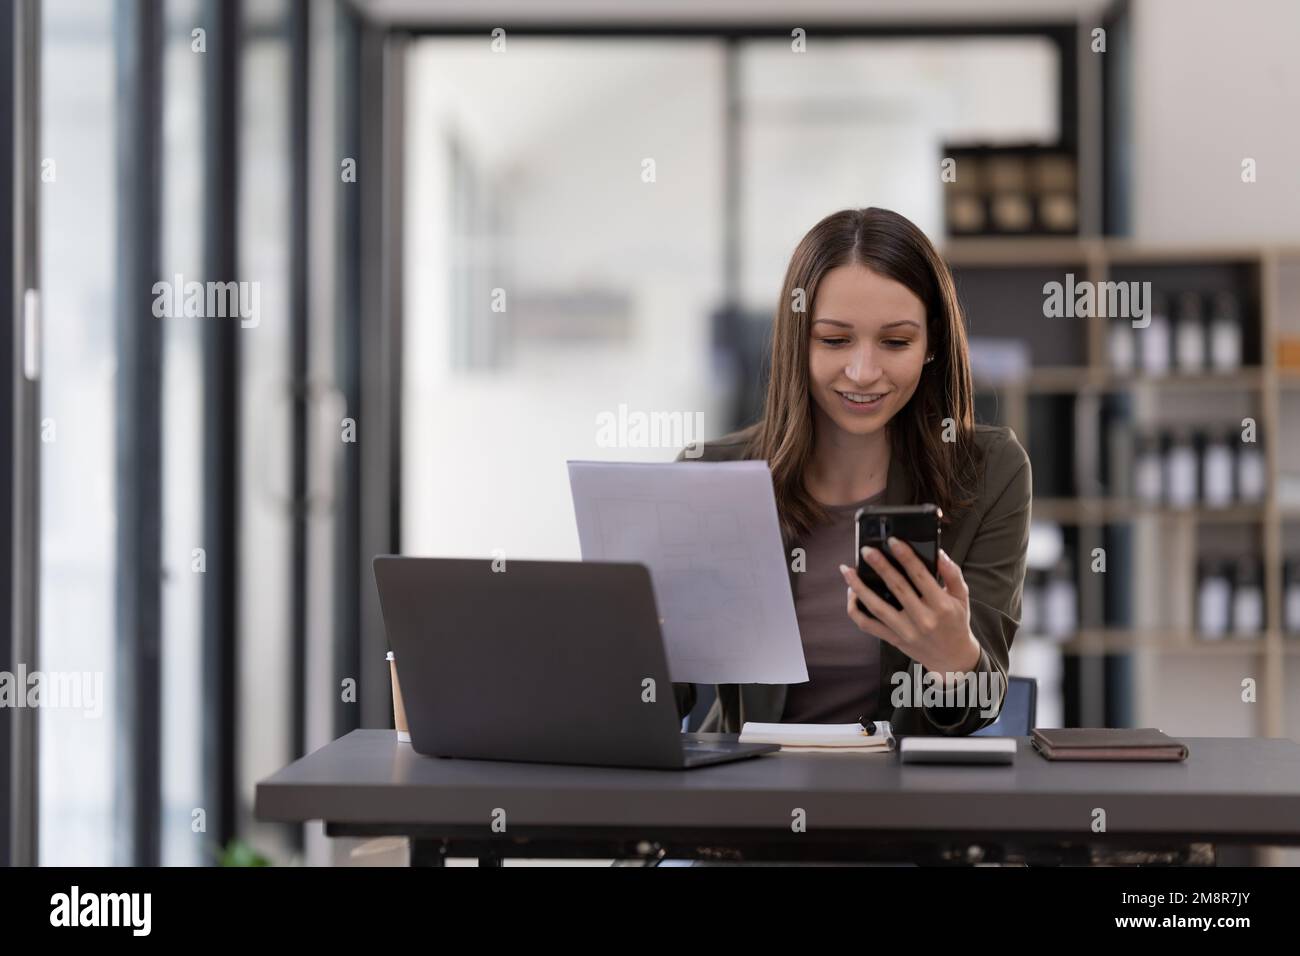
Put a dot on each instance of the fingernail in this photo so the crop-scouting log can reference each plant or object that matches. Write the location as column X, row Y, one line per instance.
column 868, row 551
column 844, row 570
column 892, row 540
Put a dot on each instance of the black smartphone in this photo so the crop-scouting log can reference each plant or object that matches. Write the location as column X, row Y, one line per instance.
column 918, row 525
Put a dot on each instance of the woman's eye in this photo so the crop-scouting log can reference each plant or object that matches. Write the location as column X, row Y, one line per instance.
column 835, row 341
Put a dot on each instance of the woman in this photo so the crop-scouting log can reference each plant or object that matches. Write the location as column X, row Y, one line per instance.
column 870, row 401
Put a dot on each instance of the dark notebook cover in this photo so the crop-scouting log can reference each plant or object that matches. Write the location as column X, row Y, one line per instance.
column 1106, row 743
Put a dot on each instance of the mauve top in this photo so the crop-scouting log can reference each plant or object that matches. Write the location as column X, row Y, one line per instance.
column 843, row 662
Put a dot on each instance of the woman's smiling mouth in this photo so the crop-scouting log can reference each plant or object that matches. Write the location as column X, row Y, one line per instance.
column 861, row 401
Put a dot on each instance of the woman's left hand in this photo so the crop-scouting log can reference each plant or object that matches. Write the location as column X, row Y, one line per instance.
column 933, row 628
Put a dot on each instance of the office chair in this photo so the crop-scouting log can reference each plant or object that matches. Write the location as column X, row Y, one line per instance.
column 1019, row 714
column 704, row 697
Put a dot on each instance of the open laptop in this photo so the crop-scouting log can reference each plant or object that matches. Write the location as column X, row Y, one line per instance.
column 545, row 661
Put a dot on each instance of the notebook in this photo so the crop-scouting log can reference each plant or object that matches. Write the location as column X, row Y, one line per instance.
column 1106, row 743
column 820, row 738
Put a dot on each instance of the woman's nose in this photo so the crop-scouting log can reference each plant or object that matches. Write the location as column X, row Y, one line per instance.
column 862, row 365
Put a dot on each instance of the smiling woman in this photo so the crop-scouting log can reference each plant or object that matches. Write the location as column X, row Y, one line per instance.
column 870, row 401
column 883, row 309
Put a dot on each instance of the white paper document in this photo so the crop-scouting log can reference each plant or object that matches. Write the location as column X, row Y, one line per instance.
column 709, row 534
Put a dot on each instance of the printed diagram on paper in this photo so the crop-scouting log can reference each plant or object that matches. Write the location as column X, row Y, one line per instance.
column 708, row 533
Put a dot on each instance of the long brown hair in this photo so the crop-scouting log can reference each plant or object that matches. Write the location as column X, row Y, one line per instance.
column 942, row 472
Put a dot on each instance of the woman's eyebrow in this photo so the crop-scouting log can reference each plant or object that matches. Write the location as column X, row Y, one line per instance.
column 887, row 325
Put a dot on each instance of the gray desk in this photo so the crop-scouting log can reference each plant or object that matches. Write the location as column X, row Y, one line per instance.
column 1233, row 791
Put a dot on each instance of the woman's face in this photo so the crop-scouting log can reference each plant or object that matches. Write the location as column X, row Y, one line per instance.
column 866, row 348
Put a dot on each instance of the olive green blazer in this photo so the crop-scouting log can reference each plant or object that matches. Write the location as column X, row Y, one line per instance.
column 987, row 541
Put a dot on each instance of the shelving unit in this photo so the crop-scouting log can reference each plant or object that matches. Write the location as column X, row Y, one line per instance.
column 998, row 282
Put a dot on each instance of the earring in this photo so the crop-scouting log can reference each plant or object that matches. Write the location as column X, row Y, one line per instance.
column 930, row 357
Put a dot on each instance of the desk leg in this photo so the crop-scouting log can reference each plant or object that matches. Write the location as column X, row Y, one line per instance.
column 428, row 852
